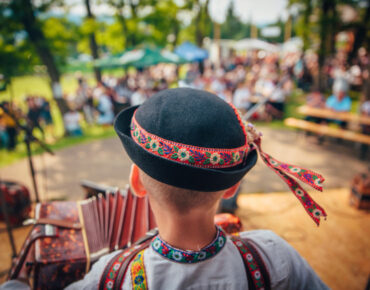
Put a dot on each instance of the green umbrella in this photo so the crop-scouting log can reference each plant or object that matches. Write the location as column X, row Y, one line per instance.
column 108, row 62
column 143, row 57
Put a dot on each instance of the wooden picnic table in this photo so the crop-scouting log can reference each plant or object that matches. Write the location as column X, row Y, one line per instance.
column 327, row 130
column 329, row 114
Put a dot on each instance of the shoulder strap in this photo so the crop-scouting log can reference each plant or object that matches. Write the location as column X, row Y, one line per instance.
column 114, row 272
column 258, row 276
column 138, row 275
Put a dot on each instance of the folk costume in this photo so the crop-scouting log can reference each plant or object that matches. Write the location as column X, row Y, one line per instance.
column 194, row 140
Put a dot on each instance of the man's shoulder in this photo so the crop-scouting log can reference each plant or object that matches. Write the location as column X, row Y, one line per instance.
column 276, row 253
column 261, row 236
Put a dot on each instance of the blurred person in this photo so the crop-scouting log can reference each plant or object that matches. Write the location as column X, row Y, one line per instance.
column 217, row 86
column 138, row 97
column 275, row 106
column 365, row 111
column 10, row 125
column 241, row 98
column 34, row 115
column 4, row 138
column 339, row 101
column 72, row 119
column 315, row 99
column 88, row 107
column 105, row 109
column 46, row 119
column 81, row 93
column 45, row 112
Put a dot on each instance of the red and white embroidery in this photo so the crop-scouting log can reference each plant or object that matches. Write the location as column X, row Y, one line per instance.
column 187, row 154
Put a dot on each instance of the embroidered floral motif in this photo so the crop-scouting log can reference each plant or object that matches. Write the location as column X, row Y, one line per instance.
column 138, row 276
column 113, row 271
column 188, row 257
column 250, row 262
column 311, row 178
column 187, row 154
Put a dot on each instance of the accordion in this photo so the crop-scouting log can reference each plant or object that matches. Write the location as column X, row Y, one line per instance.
column 68, row 236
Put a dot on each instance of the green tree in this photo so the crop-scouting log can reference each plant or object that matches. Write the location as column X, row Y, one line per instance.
column 128, row 13
column 93, row 45
column 21, row 14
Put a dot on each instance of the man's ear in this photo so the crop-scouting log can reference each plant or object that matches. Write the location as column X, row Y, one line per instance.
column 136, row 185
column 231, row 191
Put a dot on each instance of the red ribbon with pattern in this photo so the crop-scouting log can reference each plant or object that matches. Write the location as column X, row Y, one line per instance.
column 315, row 180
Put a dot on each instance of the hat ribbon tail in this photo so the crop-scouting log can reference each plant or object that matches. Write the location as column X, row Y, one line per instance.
column 314, row 210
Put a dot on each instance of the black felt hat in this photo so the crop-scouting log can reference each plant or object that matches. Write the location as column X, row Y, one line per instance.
column 187, row 138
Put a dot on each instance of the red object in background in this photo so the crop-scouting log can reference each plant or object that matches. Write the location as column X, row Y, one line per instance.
column 360, row 191
column 18, row 202
column 228, row 222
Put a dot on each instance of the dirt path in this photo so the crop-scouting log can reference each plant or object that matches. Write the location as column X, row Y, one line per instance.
column 338, row 250
column 104, row 161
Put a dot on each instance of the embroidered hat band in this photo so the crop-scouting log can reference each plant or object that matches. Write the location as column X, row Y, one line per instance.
column 187, row 154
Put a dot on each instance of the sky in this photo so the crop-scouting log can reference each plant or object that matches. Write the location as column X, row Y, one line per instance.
column 259, row 11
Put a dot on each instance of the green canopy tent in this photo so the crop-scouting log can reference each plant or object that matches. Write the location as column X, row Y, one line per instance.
column 140, row 58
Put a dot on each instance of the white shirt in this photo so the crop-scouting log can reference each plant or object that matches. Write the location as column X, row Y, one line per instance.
column 225, row 270
column 278, row 95
column 72, row 121
column 241, row 98
column 288, row 270
column 137, row 98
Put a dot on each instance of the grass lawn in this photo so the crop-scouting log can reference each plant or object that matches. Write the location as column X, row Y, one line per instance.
column 20, row 88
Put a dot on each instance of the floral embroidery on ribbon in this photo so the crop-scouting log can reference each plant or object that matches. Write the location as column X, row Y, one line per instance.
column 180, row 256
column 113, row 271
column 138, row 276
column 252, row 265
column 187, row 154
column 313, row 179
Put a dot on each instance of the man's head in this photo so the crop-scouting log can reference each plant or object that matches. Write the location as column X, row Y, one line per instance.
column 175, row 199
column 187, row 138
column 193, row 143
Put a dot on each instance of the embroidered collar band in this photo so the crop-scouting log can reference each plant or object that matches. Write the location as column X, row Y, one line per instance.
column 188, row 257
column 192, row 139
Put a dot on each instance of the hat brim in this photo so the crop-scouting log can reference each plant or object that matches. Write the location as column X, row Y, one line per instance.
column 175, row 173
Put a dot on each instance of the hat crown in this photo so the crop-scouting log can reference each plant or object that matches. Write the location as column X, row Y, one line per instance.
column 191, row 117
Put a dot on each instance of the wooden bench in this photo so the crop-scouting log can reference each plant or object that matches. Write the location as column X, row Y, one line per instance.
column 327, row 131
column 329, row 114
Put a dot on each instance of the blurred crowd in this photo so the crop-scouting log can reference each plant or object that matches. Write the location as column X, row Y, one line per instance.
column 259, row 83
column 12, row 118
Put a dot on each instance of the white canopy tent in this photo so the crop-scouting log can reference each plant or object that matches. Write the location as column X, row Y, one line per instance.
column 255, row 44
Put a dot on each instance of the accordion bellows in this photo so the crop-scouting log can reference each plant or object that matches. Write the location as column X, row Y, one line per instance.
column 63, row 255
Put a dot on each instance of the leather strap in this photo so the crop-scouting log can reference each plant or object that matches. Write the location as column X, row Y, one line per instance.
column 258, row 276
column 114, row 273
column 123, row 269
